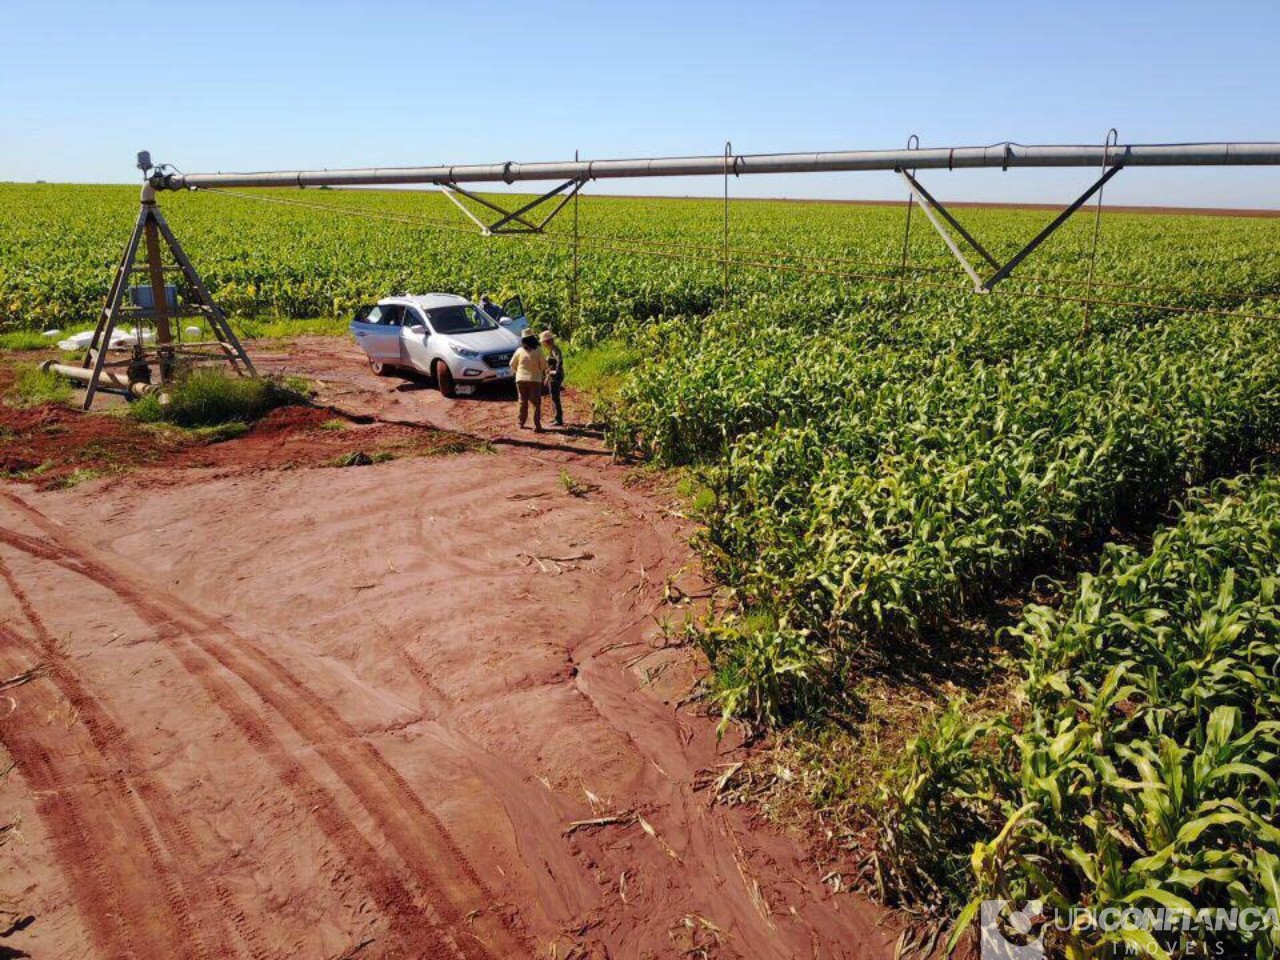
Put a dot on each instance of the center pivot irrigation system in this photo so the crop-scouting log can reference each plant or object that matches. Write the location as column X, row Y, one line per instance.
column 157, row 303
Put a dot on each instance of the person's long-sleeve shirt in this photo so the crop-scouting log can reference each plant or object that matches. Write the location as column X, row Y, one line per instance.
column 529, row 365
column 555, row 362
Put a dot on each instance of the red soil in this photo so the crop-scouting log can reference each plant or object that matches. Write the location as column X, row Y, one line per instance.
column 328, row 713
column 49, row 443
column 53, row 446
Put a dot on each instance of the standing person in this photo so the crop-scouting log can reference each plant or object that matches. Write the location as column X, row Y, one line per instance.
column 491, row 308
column 555, row 374
column 530, row 367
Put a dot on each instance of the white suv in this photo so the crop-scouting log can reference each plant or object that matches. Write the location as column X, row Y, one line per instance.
column 443, row 336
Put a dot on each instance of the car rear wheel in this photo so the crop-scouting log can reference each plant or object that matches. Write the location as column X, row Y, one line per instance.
column 380, row 369
column 444, row 380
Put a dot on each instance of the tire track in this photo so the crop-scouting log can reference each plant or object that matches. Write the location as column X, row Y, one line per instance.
column 94, row 822
column 78, row 850
column 729, row 862
column 154, row 818
column 173, row 829
column 449, row 884
column 414, row 931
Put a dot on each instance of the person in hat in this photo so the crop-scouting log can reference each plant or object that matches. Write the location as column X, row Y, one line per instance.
column 529, row 364
column 555, row 373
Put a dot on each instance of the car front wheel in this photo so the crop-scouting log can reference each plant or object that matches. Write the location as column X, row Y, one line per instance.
column 380, row 369
column 444, row 380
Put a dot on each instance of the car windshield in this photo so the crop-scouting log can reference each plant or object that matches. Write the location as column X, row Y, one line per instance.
column 460, row 319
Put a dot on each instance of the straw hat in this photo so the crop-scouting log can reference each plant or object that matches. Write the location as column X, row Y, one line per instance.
column 546, row 336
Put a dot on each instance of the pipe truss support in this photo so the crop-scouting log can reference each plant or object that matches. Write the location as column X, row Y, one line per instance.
column 937, row 213
column 514, row 221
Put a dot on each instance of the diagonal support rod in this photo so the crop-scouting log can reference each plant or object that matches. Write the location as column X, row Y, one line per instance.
column 928, row 208
column 513, row 216
column 928, row 200
column 451, row 193
column 226, row 337
column 97, row 352
column 487, row 228
column 518, row 214
column 1048, row 231
column 932, row 208
column 577, row 185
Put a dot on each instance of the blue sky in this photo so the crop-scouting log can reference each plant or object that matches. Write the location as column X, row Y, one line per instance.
column 239, row 85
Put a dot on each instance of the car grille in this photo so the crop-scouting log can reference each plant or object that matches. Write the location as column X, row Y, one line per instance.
column 496, row 360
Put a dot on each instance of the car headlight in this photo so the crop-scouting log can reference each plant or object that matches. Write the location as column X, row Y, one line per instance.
column 462, row 351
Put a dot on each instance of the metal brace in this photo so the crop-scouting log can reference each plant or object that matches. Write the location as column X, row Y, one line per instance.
column 509, row 217
column 932, row 209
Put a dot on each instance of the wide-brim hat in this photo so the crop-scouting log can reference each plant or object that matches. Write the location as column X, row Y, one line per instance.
column 546, row 336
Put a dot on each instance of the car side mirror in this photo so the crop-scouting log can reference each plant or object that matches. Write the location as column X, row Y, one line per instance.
column 417, row 328
column 505, row 321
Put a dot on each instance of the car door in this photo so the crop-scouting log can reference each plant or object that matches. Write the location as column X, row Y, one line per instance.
column 413, row 341
column 514, row 309
column 365, row 328
column 385, row 338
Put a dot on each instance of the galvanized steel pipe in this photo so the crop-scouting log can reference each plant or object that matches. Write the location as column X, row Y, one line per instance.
column 1002, row 155
column 108, row 380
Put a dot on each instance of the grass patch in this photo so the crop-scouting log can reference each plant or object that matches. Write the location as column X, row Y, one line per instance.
column 575, row 487
column 209, row 398
column 337, row 423
column 79, row 476
column 693, row 490
column 26, row 340
column 35, row 386
column 37, row 471
column 249, row 328
column 280, row 328
column 231, row 430
column 358, row 458
column 600, row 369
column 35, row 340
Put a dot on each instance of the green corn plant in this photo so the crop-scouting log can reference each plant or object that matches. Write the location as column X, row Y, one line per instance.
column 1142, row 769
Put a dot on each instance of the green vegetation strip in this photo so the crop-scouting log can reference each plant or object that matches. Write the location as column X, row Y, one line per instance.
column 34, row 386
column 1139, row 764
column 209, row 398
column 268, row 264
column 876, row 497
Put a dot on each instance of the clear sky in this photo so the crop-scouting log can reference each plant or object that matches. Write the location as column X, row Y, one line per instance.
column 233, row 85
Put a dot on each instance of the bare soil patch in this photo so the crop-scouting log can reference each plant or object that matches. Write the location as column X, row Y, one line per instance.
column 430, row 707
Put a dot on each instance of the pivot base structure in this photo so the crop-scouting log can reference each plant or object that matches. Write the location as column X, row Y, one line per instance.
column 152, row 235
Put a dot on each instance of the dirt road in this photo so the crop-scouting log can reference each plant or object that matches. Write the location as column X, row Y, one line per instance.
column 425, row 708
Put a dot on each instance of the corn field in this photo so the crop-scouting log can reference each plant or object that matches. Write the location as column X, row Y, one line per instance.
column 1138, row 766
column 906, row 494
